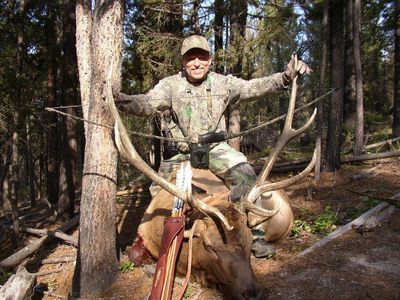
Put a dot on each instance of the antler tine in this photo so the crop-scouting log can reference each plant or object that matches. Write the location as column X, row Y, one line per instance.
column 128, row 151
column 273, row 186
column 288, row 133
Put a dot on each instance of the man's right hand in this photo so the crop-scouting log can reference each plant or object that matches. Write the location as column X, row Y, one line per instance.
column 293, row 70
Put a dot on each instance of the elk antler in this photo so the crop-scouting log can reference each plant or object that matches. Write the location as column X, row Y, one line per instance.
column 288, row 133
column 128, row 151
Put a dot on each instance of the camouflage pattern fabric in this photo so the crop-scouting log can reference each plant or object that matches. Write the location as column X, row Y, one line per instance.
column 240, row 179
column 222, row 158
column 199, row 109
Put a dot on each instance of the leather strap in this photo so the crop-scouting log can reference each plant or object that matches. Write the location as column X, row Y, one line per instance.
column 189, row 263
column 173, row 228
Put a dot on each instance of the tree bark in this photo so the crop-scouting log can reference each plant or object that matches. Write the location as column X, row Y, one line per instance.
column 219, row 35
column 68, row 143
column 99, row 43
column 31, row 174
column 396, row 105
column 320, row 106
column 195, row 17
column 52, row 125
column 349, row 106
column 359, row 128
column 4, row 172
column 238, row 18
column 335, row 118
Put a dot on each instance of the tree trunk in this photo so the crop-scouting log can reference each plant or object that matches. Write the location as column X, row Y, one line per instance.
column 99, row 44
column 359, row 128
column 14, row 193
column 335, row 119
column 68, row 125
column 31, row 174
column 396, row 105
column 349, row 108
column 195, row 17
column 219, row 35
column 4, row 171
column 52, row 125
column 320, row 106
column 14, row 186
column 238, row 18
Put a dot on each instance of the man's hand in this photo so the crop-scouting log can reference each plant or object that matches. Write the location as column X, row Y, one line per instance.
column 291, row 70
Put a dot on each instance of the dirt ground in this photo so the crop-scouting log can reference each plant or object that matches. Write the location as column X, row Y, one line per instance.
column 358, row 265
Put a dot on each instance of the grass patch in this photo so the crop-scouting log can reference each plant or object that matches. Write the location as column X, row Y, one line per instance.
column 126, row 266
column 188, row 292
column 323, row 223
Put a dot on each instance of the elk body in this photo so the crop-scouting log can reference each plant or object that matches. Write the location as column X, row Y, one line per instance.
column 221, row 248
column 220, row 256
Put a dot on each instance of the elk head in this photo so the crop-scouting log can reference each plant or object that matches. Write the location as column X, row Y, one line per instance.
column 223, row 256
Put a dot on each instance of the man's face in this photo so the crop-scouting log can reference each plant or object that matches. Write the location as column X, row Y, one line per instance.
column 196, row 63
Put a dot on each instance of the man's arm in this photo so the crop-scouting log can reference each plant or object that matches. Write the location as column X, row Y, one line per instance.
column 138, row 105
column 256, row 89
column 156, row 100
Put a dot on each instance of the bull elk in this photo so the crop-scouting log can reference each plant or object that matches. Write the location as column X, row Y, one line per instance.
column 222, row 239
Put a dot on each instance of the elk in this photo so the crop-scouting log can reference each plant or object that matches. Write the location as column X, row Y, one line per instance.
column 221, row 247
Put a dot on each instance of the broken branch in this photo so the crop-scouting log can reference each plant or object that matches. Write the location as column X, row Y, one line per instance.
column 58, row 234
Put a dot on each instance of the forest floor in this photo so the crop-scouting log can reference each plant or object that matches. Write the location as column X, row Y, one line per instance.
column 359, row 265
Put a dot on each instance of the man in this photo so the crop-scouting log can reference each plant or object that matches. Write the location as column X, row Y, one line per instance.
column 196, row 99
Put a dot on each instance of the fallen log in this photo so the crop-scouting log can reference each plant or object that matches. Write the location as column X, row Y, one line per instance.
column 301, row 163
column 19, row 286
column 15, row 259
column 387, row 142
column 58, row 234
column 368, row 220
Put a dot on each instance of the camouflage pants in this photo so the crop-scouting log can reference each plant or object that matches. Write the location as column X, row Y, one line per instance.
column 225, row 162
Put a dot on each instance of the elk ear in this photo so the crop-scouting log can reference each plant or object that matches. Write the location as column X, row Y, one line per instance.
column 197, row 230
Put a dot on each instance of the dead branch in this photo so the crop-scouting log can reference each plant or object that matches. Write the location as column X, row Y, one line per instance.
column 387, row 142
column 129, row 191
column 58, row 260
column 390, row 200
column 367, row 220
column 58, row 234
column 13, row 260
column 300, row 163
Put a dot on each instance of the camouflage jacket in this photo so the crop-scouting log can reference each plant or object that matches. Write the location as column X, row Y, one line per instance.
column 199, row 108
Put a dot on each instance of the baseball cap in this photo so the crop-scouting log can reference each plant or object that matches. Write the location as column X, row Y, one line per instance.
column 194, row 41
